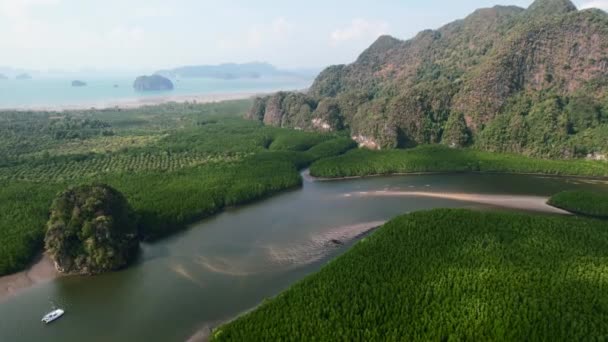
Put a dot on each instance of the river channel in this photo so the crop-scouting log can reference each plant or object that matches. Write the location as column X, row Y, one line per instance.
column 228, row 264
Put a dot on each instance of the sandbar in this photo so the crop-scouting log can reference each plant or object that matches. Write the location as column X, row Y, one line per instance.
column 42, row 271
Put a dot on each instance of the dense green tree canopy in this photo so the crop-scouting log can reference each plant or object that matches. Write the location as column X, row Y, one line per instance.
column 582, row 202
column 91, row 230
column 436, row 158
column 175, row 164
column 449, row 275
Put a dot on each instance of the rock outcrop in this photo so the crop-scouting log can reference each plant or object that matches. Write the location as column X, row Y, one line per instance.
column 152, row 83
column 91, row 230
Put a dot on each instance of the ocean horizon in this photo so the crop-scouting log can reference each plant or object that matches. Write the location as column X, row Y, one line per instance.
column 58, row 93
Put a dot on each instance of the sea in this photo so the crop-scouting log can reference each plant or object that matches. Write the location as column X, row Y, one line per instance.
column 58, row 93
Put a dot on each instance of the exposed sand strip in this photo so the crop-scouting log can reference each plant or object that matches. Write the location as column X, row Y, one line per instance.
column 203, row 334
column 233, row 268
column 181, row 271
column 41, row 272
column 320, row 245
column 530, row 203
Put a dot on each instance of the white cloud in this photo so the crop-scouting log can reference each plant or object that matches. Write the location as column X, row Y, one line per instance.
column 601, row 4
column 27, row 29
column 126, row 34
column 155, row 12
column 255, row 37
column 259, row 36
column 16, row 10
column 23, row 28
column 359, row 29
column 281, row 27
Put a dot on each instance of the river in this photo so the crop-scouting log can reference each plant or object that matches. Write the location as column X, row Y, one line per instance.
column 228, row 264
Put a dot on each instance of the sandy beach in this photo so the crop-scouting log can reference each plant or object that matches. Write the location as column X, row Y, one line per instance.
column 42, row 271
column 142, row 102
column 528, row 203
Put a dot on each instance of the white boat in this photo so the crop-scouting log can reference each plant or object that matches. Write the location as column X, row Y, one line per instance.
column 53, row 315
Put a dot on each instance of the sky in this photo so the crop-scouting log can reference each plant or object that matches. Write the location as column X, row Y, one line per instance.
column 154, row 34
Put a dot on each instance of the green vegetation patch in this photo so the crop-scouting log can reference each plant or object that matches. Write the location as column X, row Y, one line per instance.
column 104, row 144
column 434, row 158
column 449, row 275
column 24, row 209
column 582, row 202
column 331, row 148
column 297, row 141
column 174, row 163
column 166, row 202
column 92, row 166
column 92, row 230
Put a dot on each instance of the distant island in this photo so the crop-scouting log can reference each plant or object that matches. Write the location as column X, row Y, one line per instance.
column 78, row 83
column 23, row 77
column 229, row 71
column 152, row 83
column 3, row 77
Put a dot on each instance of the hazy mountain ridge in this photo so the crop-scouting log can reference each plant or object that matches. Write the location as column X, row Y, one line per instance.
column 228, row 71
column 531, row 81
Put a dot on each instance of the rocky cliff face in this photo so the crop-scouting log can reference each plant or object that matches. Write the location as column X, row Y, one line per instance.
column 531, row 81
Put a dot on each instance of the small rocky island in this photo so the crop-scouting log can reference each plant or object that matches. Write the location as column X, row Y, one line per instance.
column 78, row 83
column 152, row 83
column 24, row 77
column 91, row 230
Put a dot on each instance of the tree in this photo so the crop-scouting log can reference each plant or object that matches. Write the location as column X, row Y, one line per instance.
column 328, row 112
column 456, row 133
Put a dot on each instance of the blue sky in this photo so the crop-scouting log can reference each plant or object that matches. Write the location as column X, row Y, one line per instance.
column 151, row 34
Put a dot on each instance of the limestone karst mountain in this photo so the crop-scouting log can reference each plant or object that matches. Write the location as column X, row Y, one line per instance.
column 530, row 81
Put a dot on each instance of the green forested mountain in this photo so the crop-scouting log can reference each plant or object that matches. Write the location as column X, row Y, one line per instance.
column 530, row 81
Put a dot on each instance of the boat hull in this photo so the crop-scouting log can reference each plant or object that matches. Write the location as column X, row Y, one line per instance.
column 52, row 316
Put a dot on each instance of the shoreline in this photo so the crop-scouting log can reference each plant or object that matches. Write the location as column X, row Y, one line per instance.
column 516, row 202
column 323, row 244
column 144, row 101
column 307, row 176
column 40, row 272
column 520, row 203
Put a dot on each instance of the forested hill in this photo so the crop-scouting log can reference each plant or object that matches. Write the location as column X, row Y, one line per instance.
column 530, row 81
